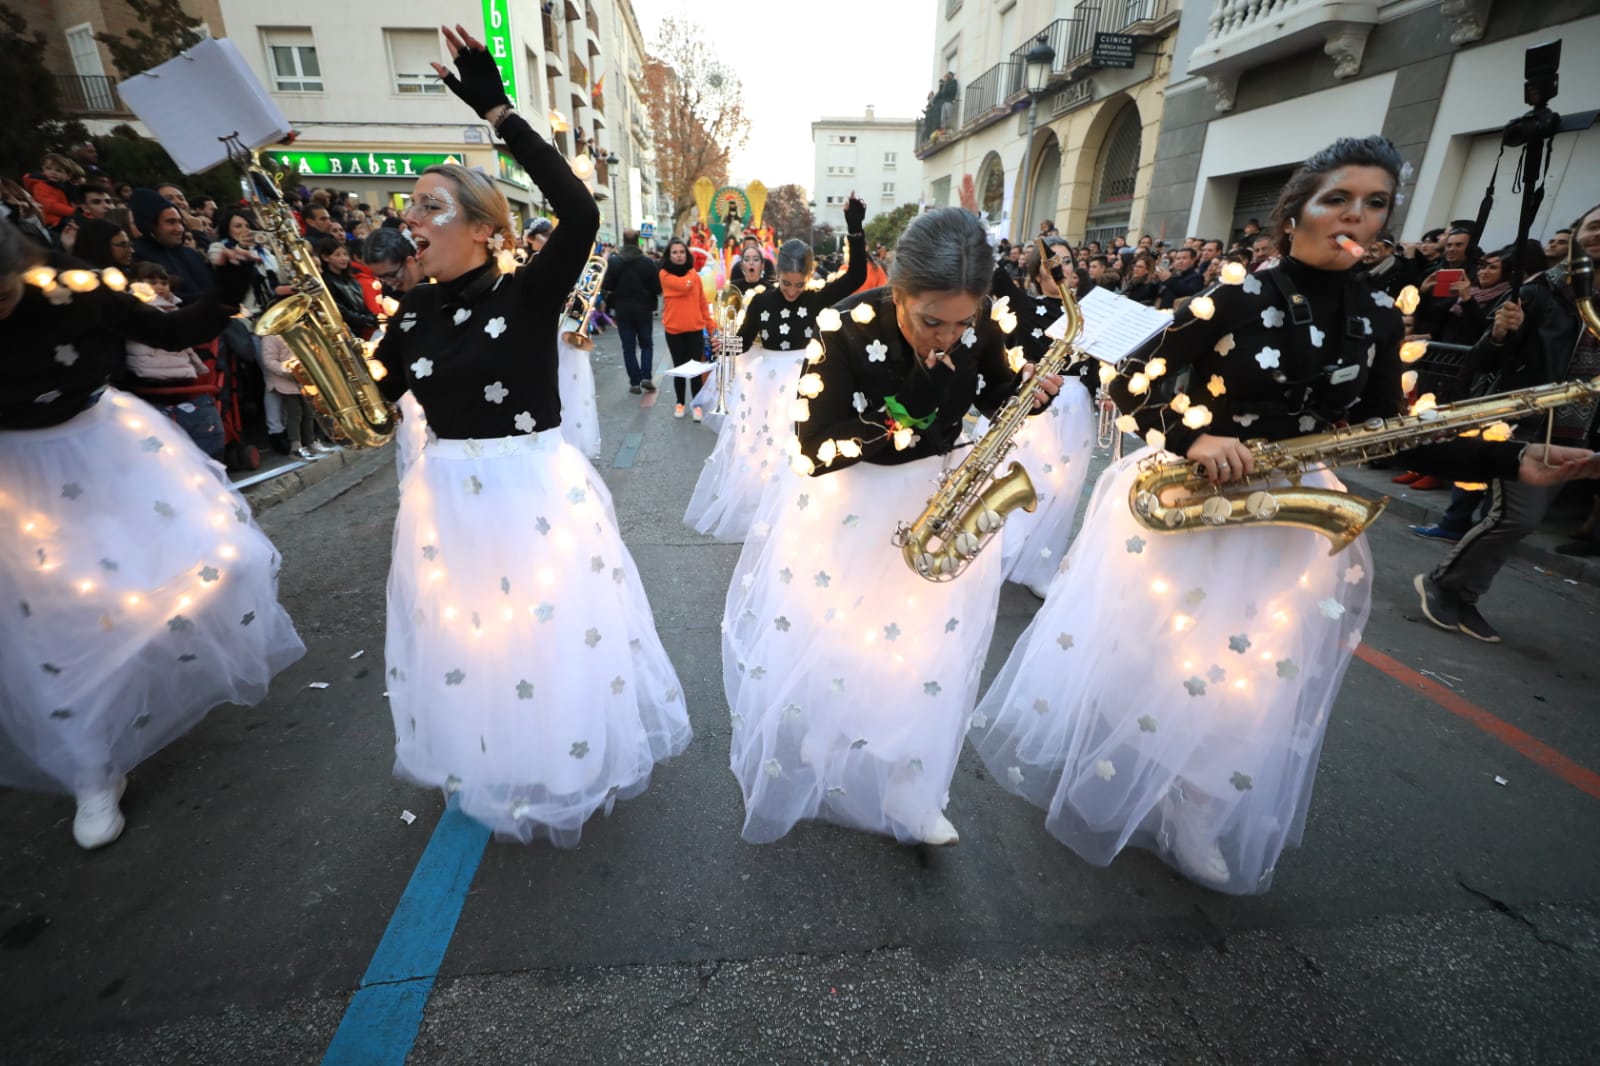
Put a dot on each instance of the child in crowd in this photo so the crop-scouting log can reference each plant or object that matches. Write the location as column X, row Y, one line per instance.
column 48, row 187
column 157, row 364
column 298, row 422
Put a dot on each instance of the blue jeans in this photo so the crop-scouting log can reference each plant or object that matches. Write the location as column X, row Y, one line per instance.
column 636, row 328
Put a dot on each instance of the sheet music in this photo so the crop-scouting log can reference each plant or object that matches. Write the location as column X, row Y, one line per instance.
column 1113, row 326
column 692, row 369
column 193, row 100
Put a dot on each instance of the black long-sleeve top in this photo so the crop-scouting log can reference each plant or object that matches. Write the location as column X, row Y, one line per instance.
column 57, row 355
column 479, row 351
column 1260, row 375
column 1034, row 315
column 782, row 325
column 864, row 363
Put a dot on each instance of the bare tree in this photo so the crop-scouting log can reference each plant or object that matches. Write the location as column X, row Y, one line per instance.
column 696, row 111
column 789, row 213
column 165, row 29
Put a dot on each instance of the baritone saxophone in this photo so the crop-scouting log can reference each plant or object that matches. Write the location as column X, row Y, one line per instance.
column 972, row 502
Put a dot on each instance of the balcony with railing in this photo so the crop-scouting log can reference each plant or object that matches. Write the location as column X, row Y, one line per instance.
column 996, row 92
column 1247, row 33
column 89, row 94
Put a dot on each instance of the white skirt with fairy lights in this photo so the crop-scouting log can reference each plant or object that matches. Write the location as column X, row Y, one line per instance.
column 136, row 594
column 1178, row 676
column 851, row 680
column 750, row 449
column 411, row 435
column 1054, row 447
column 524, row 670
column 580, row 420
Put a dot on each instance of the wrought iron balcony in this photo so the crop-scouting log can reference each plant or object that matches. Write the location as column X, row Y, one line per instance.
column 1248, row 33
column 89, row 94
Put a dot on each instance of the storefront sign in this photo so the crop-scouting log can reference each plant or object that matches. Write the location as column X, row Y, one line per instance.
column 511, row 171
column 1112, row 50
column 361, row 164
column 497, row 38
column 1074, row 96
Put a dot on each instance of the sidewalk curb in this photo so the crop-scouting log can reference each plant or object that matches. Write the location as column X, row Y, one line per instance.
column 269, row 494
column 1537, row 548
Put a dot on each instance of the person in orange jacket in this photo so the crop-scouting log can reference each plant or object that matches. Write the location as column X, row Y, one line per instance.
column 48, row 187
column 685, row 316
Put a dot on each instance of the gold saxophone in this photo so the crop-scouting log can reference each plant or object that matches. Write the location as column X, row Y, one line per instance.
column 729, row 303
column 576, row 316
column 330, row 363
column 1339, row 516
column 971, row 503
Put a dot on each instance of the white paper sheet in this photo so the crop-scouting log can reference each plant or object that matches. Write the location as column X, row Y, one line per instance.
column 204, row 94
column 1113, row 326
column 692, row 369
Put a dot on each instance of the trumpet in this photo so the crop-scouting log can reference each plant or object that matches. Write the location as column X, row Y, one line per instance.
column 729, row 303
column 575, row 317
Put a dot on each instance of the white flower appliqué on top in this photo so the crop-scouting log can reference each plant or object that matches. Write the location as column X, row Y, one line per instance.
column 970, row 337
column 422, row 368
column 1317, row 337
column 461, row 315
column 1382, row 299
column 1225, row 345
column 1271, row 317
column 66, row 354
column 496, row 393
column 1251, row 284
column 877, row 352
column 524, row 422
column 1268, row 357
column 495, row 326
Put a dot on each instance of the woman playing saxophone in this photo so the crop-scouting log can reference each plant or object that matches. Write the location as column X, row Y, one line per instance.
column 850, row 677
column 1173, row 691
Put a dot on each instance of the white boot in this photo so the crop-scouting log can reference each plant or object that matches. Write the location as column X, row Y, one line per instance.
column 939, row 832
column 99, row 819
column 930, row 826
column 1193, row 846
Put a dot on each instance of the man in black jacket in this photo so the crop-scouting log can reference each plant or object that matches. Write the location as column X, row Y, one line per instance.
column 631, row 285
column 161, row 242
column 1184, row 280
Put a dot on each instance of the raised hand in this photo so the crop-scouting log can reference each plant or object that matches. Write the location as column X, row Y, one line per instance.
column 969, row 194
column 479, row 85
column 855, row 214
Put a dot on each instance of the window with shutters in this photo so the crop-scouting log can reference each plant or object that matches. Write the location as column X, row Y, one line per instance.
column 292, row 58
column 410, row 53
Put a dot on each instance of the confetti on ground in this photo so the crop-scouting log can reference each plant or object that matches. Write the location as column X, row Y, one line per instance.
column 318, row 684
column 1500, row 781
column 359, row 654
column 407, row 817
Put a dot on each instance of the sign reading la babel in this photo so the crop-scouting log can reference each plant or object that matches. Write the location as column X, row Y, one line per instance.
column 1112, row 50
column 361, row 164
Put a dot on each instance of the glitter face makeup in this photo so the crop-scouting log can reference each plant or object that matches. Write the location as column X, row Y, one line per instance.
column 447, row 215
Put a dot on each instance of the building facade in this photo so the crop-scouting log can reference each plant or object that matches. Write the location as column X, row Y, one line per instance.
column 874, row 158
column 355, row 83
column 1089, row 163
column 1258, row 87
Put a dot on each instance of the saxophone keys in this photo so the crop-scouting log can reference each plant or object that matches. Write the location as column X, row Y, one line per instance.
column 989, row 521
column 1174, row 517
column 1147, row 504
column 1262, row 504
column 967, row 544
column 1216, row 511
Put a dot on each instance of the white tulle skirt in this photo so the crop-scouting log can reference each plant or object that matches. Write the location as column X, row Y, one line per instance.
column 851, row 679
column 411, row 435
column 136, row 593
column 580, row 420
column 750, row 446
column 1178, row 684
column 1054, row 447
column 706, row 398
column 525, row 672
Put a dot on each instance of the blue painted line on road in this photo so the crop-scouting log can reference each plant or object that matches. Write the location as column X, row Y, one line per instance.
column 628, row 452
column 381, row 1022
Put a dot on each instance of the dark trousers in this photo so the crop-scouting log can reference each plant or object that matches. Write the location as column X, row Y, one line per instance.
column 1515, row 510
column 636, row 328
column 684, row 347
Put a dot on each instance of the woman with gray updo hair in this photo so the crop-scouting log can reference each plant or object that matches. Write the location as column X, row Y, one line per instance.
column 851, row 679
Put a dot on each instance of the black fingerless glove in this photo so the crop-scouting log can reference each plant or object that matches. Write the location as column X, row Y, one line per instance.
column 855, row 213
column 233, row 282
column 479, row 85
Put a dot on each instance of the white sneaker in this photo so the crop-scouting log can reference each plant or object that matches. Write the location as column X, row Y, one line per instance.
column 1193, row 847
column 324, row 448
column 306, row 454
column 99, row 819
column 1040, row 589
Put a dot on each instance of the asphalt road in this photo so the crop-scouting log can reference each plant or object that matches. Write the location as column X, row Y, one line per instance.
column 1432, row 915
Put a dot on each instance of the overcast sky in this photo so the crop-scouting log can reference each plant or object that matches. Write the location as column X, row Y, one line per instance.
column 802, row 60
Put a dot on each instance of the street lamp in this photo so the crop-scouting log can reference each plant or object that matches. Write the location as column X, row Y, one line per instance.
column 616, row 208
column 1038, row 61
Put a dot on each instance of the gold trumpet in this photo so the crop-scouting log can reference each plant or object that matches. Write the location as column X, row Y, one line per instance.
column 729, row 303
column 576, row 316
